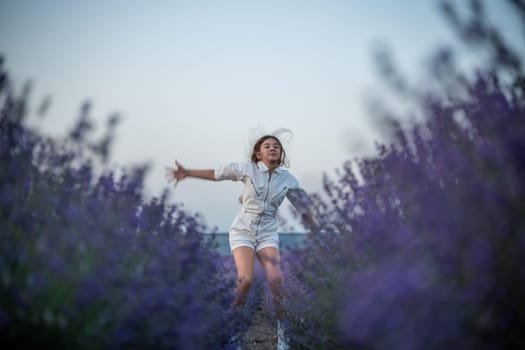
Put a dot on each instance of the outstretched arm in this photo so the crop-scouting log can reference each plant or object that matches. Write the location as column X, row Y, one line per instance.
column 181, row 173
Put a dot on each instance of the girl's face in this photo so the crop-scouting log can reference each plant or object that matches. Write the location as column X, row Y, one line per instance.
column 269, row 152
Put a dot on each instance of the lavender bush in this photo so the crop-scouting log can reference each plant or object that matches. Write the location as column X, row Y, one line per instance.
column 86, row 262
column 423, row 246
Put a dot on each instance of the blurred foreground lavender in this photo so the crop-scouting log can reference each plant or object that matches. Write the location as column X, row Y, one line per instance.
column 424, row 250
column 85, row 261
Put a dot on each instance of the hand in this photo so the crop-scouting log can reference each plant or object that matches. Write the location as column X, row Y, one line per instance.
column 181, row 172
column 176, row 174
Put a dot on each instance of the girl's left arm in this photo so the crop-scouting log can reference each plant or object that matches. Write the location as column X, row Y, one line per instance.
column 302, row 203
column 310, row 222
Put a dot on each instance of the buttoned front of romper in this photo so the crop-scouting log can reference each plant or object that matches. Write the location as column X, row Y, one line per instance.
column 255, row 225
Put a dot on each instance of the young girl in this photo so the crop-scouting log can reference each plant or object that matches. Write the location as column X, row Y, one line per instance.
column 253, row 232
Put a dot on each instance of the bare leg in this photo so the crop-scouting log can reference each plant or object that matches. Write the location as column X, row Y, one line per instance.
column 244, row 261
column 271, row 262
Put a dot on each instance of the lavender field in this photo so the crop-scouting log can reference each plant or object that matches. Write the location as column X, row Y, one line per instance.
column 421, row 245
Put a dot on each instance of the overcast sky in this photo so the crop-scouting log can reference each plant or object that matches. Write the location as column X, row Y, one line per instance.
column 192, row 79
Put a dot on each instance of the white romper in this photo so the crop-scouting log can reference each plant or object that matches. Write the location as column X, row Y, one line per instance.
column 255, row 226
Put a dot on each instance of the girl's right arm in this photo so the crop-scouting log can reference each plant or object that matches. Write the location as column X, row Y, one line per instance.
column 181, row 173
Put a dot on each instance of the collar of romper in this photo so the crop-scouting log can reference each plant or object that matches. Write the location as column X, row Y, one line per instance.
column 262, row 167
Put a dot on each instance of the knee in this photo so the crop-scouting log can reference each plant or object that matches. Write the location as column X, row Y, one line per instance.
column 244, row 282
column 241, row 291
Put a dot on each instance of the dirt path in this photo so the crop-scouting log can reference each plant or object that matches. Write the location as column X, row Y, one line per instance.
column 262, row 333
